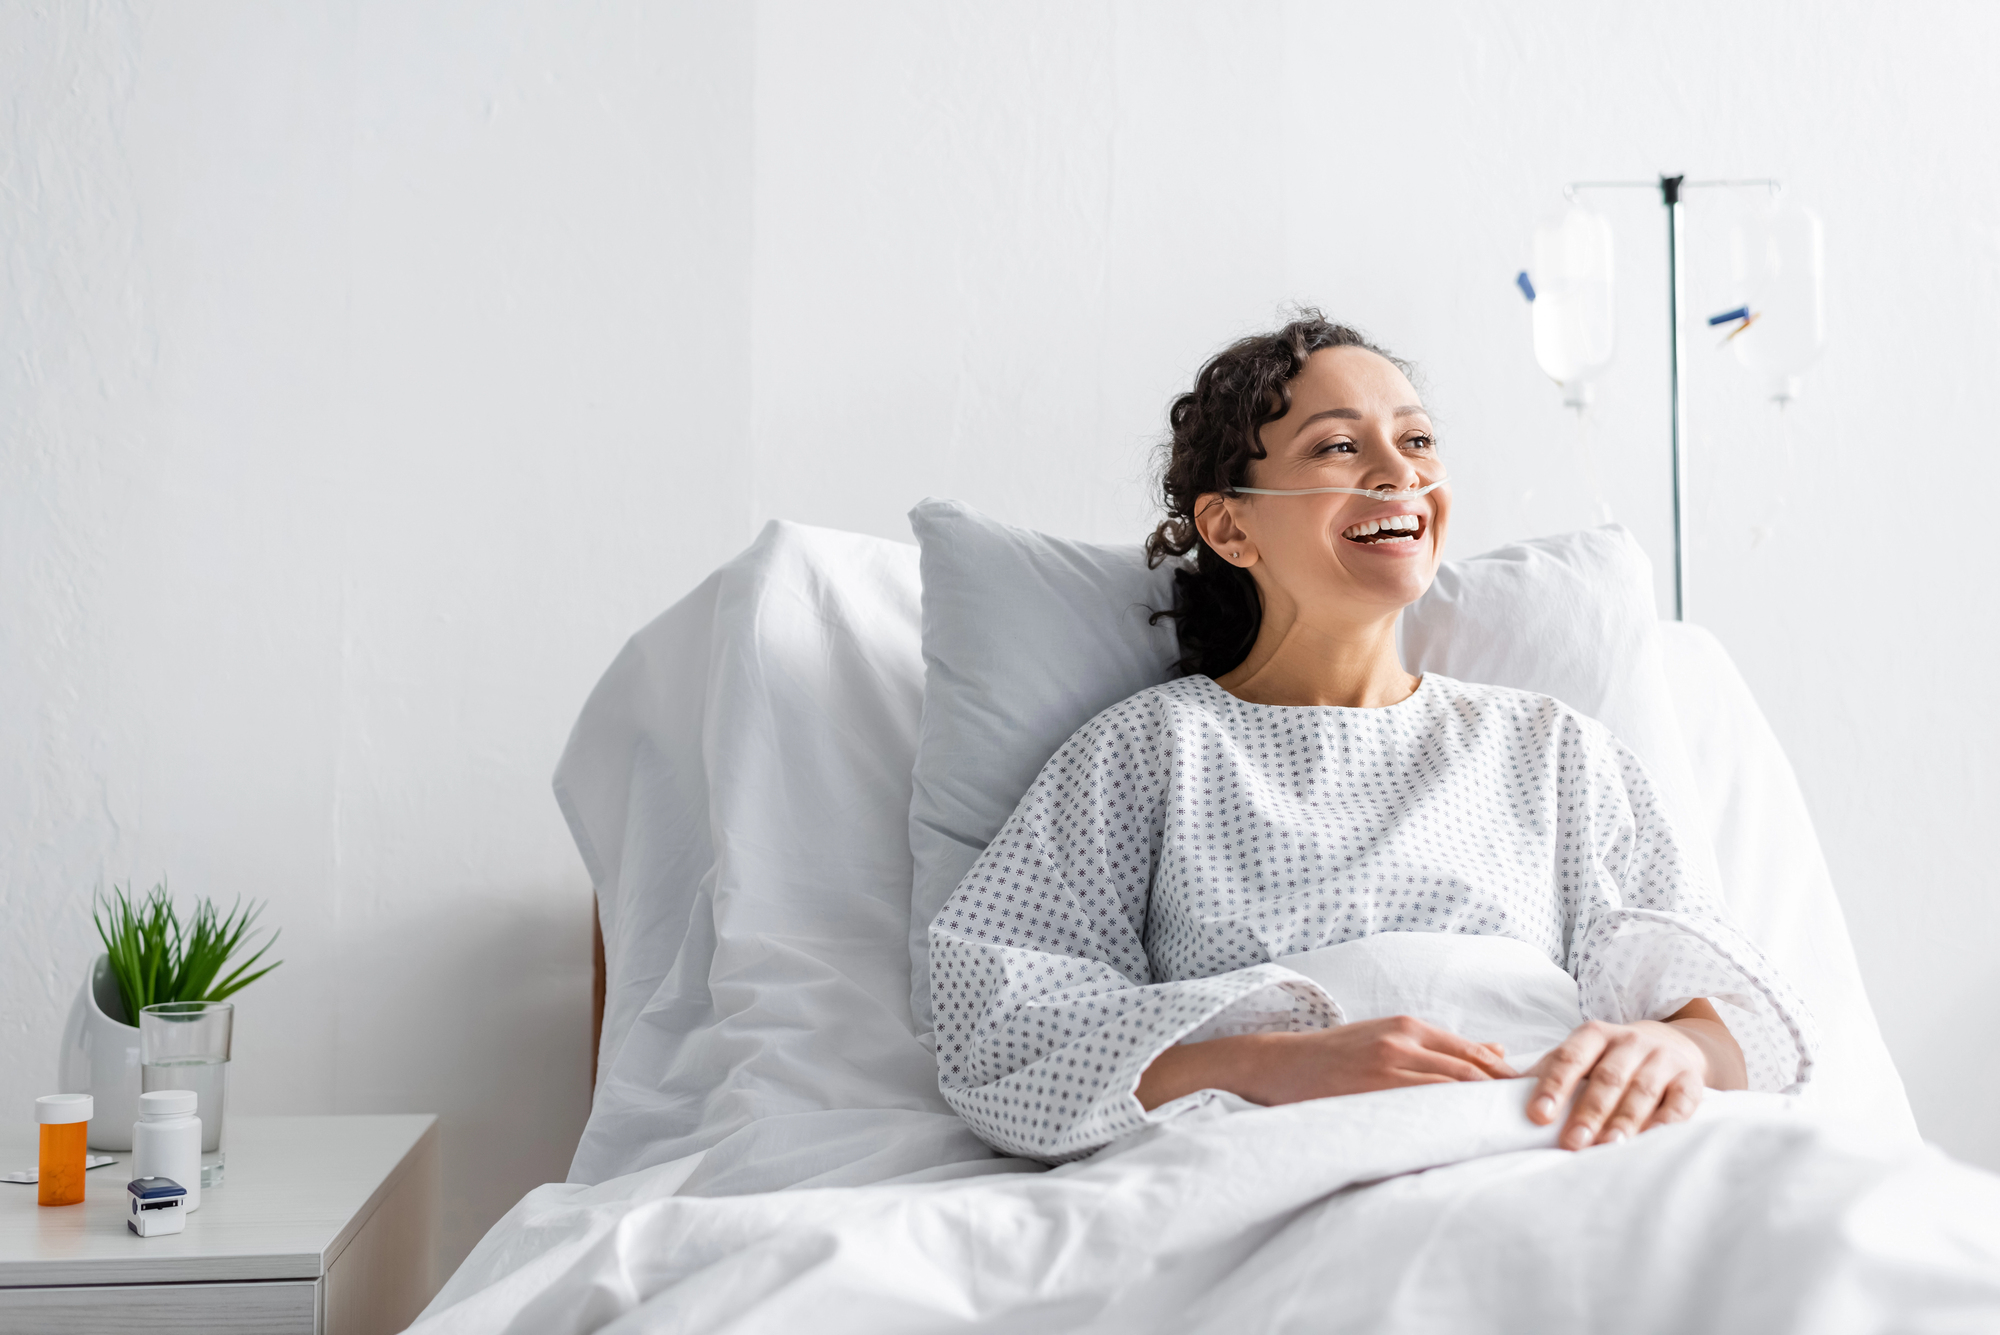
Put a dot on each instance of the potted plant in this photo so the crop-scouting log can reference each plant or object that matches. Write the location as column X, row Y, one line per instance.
column 149, row 956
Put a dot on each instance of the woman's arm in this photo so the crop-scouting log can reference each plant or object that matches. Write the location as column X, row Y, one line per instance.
column 1047, row 1015
column 1648, row 931
column 1635, row 1077
column 1275, row 1068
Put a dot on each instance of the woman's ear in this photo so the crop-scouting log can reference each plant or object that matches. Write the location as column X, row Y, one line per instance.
column 1215, row 520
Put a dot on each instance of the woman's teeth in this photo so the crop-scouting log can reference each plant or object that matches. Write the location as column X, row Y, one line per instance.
column 1391, row 528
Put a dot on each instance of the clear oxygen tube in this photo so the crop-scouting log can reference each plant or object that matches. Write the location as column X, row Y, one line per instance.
column 1407, row 494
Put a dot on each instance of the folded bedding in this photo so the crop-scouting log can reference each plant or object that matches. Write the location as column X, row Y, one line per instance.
column 768, row 1148
column 1502, row 989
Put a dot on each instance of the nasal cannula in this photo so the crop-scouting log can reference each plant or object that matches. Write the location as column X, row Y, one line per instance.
column 1409, row 494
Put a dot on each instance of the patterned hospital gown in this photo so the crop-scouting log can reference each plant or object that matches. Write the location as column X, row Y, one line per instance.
column 1183, row 840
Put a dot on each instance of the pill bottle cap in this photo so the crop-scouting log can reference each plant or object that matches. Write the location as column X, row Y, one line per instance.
column 166, row 1103
column 63, row 1108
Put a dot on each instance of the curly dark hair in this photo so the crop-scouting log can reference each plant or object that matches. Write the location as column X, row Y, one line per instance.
column 1214, row 437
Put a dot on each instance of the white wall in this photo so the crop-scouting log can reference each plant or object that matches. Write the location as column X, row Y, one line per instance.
column 368, row 371
column 360, row 390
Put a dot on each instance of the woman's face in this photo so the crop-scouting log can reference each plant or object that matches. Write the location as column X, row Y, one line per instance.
column 1355, row 421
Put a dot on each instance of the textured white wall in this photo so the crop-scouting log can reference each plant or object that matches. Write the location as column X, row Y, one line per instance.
column 368, row 371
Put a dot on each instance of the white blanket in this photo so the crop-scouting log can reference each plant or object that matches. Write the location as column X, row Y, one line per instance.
column 1750, row 1219
column 1491, row 988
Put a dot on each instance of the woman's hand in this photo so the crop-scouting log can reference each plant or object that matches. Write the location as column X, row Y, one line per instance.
column 1635, row 1077
column 1346, row 1059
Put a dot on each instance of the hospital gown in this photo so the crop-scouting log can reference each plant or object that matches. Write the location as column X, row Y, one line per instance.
column 1183, row 841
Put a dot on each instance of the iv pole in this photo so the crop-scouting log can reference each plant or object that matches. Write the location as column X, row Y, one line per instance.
column 1670, row 188
column 1670, row 195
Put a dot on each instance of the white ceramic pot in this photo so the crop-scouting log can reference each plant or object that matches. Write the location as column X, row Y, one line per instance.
column 100, row 1057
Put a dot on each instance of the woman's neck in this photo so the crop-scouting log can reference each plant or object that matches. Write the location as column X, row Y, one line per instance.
column 1295, row 663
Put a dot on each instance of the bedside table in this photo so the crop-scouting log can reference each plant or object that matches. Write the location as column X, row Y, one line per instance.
column 326, row 1226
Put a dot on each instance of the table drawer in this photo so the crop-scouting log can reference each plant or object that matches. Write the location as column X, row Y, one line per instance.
column 271, row 1308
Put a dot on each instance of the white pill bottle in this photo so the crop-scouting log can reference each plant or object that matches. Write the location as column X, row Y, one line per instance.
column 166, row 1140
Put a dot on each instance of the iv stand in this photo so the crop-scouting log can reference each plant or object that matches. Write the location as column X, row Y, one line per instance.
column 1670, row 188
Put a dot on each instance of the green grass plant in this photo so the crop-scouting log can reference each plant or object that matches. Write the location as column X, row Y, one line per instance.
column 155, row 958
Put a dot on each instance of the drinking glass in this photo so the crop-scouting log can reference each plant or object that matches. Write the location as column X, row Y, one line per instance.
column 185, row 1045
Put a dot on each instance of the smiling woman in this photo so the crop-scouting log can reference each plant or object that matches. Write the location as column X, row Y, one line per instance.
column 1318, row 445
column 1347, row 526
column 1149, row 931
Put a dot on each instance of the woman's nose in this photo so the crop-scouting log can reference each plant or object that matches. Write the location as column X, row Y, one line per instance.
column 1396, row 471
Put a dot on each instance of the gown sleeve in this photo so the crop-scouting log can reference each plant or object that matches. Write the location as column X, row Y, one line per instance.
column 1649, row 934
column 1047, row 1014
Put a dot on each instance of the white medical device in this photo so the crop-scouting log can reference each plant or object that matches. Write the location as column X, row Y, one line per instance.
column 155, row 1206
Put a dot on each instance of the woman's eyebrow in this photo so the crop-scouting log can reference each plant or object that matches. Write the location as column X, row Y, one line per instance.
column 1354, row 414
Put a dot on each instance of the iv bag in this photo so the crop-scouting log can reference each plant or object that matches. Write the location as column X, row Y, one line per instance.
column 1778, row 259
column 1573, row 308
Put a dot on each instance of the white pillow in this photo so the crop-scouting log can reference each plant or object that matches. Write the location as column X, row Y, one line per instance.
column 738, row 785
column 1025, row 638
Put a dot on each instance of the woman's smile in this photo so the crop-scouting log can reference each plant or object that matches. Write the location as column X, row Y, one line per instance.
column 1398, row 530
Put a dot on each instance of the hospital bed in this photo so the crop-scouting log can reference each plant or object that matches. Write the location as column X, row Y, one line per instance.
column 761, row 786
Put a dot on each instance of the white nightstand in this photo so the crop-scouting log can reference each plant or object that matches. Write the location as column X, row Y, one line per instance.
column 325, row 1225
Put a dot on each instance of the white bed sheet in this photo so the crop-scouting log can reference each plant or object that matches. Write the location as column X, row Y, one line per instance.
column 768, row 1151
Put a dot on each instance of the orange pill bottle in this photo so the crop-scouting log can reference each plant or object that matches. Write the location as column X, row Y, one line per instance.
column 65, row 1120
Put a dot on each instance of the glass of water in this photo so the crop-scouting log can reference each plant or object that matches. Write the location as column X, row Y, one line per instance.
column 185, row 1045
